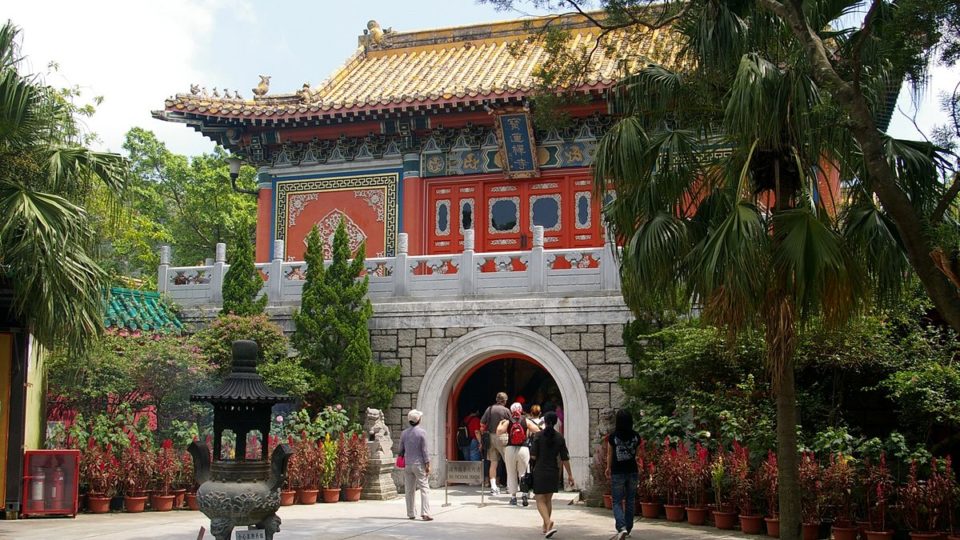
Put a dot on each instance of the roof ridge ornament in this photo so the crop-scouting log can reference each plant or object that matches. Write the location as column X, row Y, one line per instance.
column 263, row 87
column 374, row 37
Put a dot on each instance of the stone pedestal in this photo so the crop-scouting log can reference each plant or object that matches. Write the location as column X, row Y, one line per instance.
column 378, row 484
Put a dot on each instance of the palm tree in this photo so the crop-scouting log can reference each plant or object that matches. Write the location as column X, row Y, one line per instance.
column 722, row 198
column 46, row 174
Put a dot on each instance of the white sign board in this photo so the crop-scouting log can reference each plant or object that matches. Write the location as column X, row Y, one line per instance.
column 465, row 472
column 254, row 534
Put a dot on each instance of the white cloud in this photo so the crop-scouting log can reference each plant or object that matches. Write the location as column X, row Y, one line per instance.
column 134, row 53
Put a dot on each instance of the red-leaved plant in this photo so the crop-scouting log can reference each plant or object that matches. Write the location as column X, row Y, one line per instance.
column 138, row 466
column 357, row 458
column 838, row 483
column 697, row 476
column 165, row 466
column 811, row 488
column 879, row 490
column 671, row 470
column 648, row 489
column 768, row 483
column 305, row 463
column 923, row 502
column 98, row 469
column 742, row 486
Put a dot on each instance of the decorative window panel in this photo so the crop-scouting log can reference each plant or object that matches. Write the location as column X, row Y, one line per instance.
column 442, row 218
column 583, row 210
column 466, row 214
column 545, row 211
column 504, row 215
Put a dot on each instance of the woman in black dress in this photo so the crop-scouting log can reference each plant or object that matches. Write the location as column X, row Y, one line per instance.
column 549, row 449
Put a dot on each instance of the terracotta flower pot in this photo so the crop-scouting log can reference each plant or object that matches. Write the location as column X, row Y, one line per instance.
column 192, row 503
column 725, row 520
column 307, row 496
column 811, row 531
column 331, row 495
column 844, row 533
column 288, row 497
column 650, row 510
column 98, row 504
column 953, row 537
column 352, row 494
column 178, row 498
column 162, row 503
column 773, row 526
column 926, row 535
column 696, row 515
column 878, row 535
column 134, row 505
column 674, row 512
column 751, row 524
column 607, row 501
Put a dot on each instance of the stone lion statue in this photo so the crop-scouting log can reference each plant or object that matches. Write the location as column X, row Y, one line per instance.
column 378, row 434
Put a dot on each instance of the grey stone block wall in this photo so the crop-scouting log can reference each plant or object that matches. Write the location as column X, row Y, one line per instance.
column 596, row 351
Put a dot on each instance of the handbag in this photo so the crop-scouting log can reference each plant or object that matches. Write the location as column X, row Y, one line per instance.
column 401, row 461
column 526, row 482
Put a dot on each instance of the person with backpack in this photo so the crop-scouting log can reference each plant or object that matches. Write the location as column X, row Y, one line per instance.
column 468, row 437
column 623, row 448
column 517, row 453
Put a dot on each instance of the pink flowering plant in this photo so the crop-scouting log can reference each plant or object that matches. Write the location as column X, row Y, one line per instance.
column 165, row 467
column 879, row 491
column 98, row 468
column 671, row 470
column 697, row 476
column 742, row 481
column 768, row 484
column 923, row 503
column 811, row 488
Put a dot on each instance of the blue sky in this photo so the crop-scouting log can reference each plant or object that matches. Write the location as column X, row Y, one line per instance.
column 135, row 53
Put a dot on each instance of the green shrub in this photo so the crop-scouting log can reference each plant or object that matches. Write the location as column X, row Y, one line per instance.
column 242, row 282
column 216, row 340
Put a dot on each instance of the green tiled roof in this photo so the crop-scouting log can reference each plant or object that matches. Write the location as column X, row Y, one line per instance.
column 139, row 310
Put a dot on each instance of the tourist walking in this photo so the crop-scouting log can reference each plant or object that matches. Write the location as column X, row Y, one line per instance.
column 535, row 416
column 470, row 441
column 623, row 447
column 491, row 443
column 548, row 451
column 517, row 454
column 413, row 447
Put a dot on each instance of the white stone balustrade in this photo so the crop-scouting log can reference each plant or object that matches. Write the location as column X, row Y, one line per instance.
column 539, row 271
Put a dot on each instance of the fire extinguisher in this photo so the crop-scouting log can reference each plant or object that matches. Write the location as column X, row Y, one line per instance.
column 56, row 494
column 37, row 484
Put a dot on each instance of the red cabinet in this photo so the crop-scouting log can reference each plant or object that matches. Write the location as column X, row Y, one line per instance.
column 50, row 479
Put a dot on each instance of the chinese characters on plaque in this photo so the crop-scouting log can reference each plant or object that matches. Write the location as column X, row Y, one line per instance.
column 518, row 149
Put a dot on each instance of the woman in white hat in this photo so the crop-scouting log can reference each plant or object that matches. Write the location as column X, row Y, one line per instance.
column 413, row 447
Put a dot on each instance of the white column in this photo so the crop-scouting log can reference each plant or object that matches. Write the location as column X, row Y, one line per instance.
column 275, row 279
column 609, row 269
column 467, row 271
column 162, row 279
column 401, row 274
column 216, row 278
column 536, row 267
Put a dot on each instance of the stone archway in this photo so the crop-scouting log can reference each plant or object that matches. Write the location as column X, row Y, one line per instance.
column 456, row 360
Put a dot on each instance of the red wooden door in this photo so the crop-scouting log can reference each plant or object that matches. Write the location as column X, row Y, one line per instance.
column 452, row 210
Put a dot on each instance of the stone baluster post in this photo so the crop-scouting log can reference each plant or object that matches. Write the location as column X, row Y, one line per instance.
column 216, row 276
column 536, row 265
column 467, row 271
column 401, row 273
column 609, row 269
column 275, row 279
column 163, row 282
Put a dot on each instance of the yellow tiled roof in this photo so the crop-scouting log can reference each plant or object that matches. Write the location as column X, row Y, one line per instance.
column 462, row 65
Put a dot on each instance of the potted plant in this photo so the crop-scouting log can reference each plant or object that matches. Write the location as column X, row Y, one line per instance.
column 696, row 478
column 189, row 481
column 648, row 488
column 811, row 495
column 743, row 488
column 287, row 495
column 304, row 469
column 922, row 503
column 356, row 456
column 598, row 473
column 331, row 470
column 838, row 483
column 768, row 484
column 952, row 493
column 879, row 490
column 671, row 471
column 98, row 469
column 137, row 464
column 165, row 465
column 723, row 515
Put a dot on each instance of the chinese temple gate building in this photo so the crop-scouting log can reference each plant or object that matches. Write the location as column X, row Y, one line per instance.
column 486, row 250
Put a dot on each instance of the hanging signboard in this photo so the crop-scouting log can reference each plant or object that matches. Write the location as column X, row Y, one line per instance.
column 518, row 149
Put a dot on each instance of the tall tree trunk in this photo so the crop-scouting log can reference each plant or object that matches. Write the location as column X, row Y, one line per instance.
column 910, row 224
column 788, row 463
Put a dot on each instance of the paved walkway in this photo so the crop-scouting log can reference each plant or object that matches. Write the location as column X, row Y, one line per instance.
column 464, row 519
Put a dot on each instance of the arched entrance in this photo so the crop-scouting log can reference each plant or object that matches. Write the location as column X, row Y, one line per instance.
column 471, row 352
column 515, row 374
